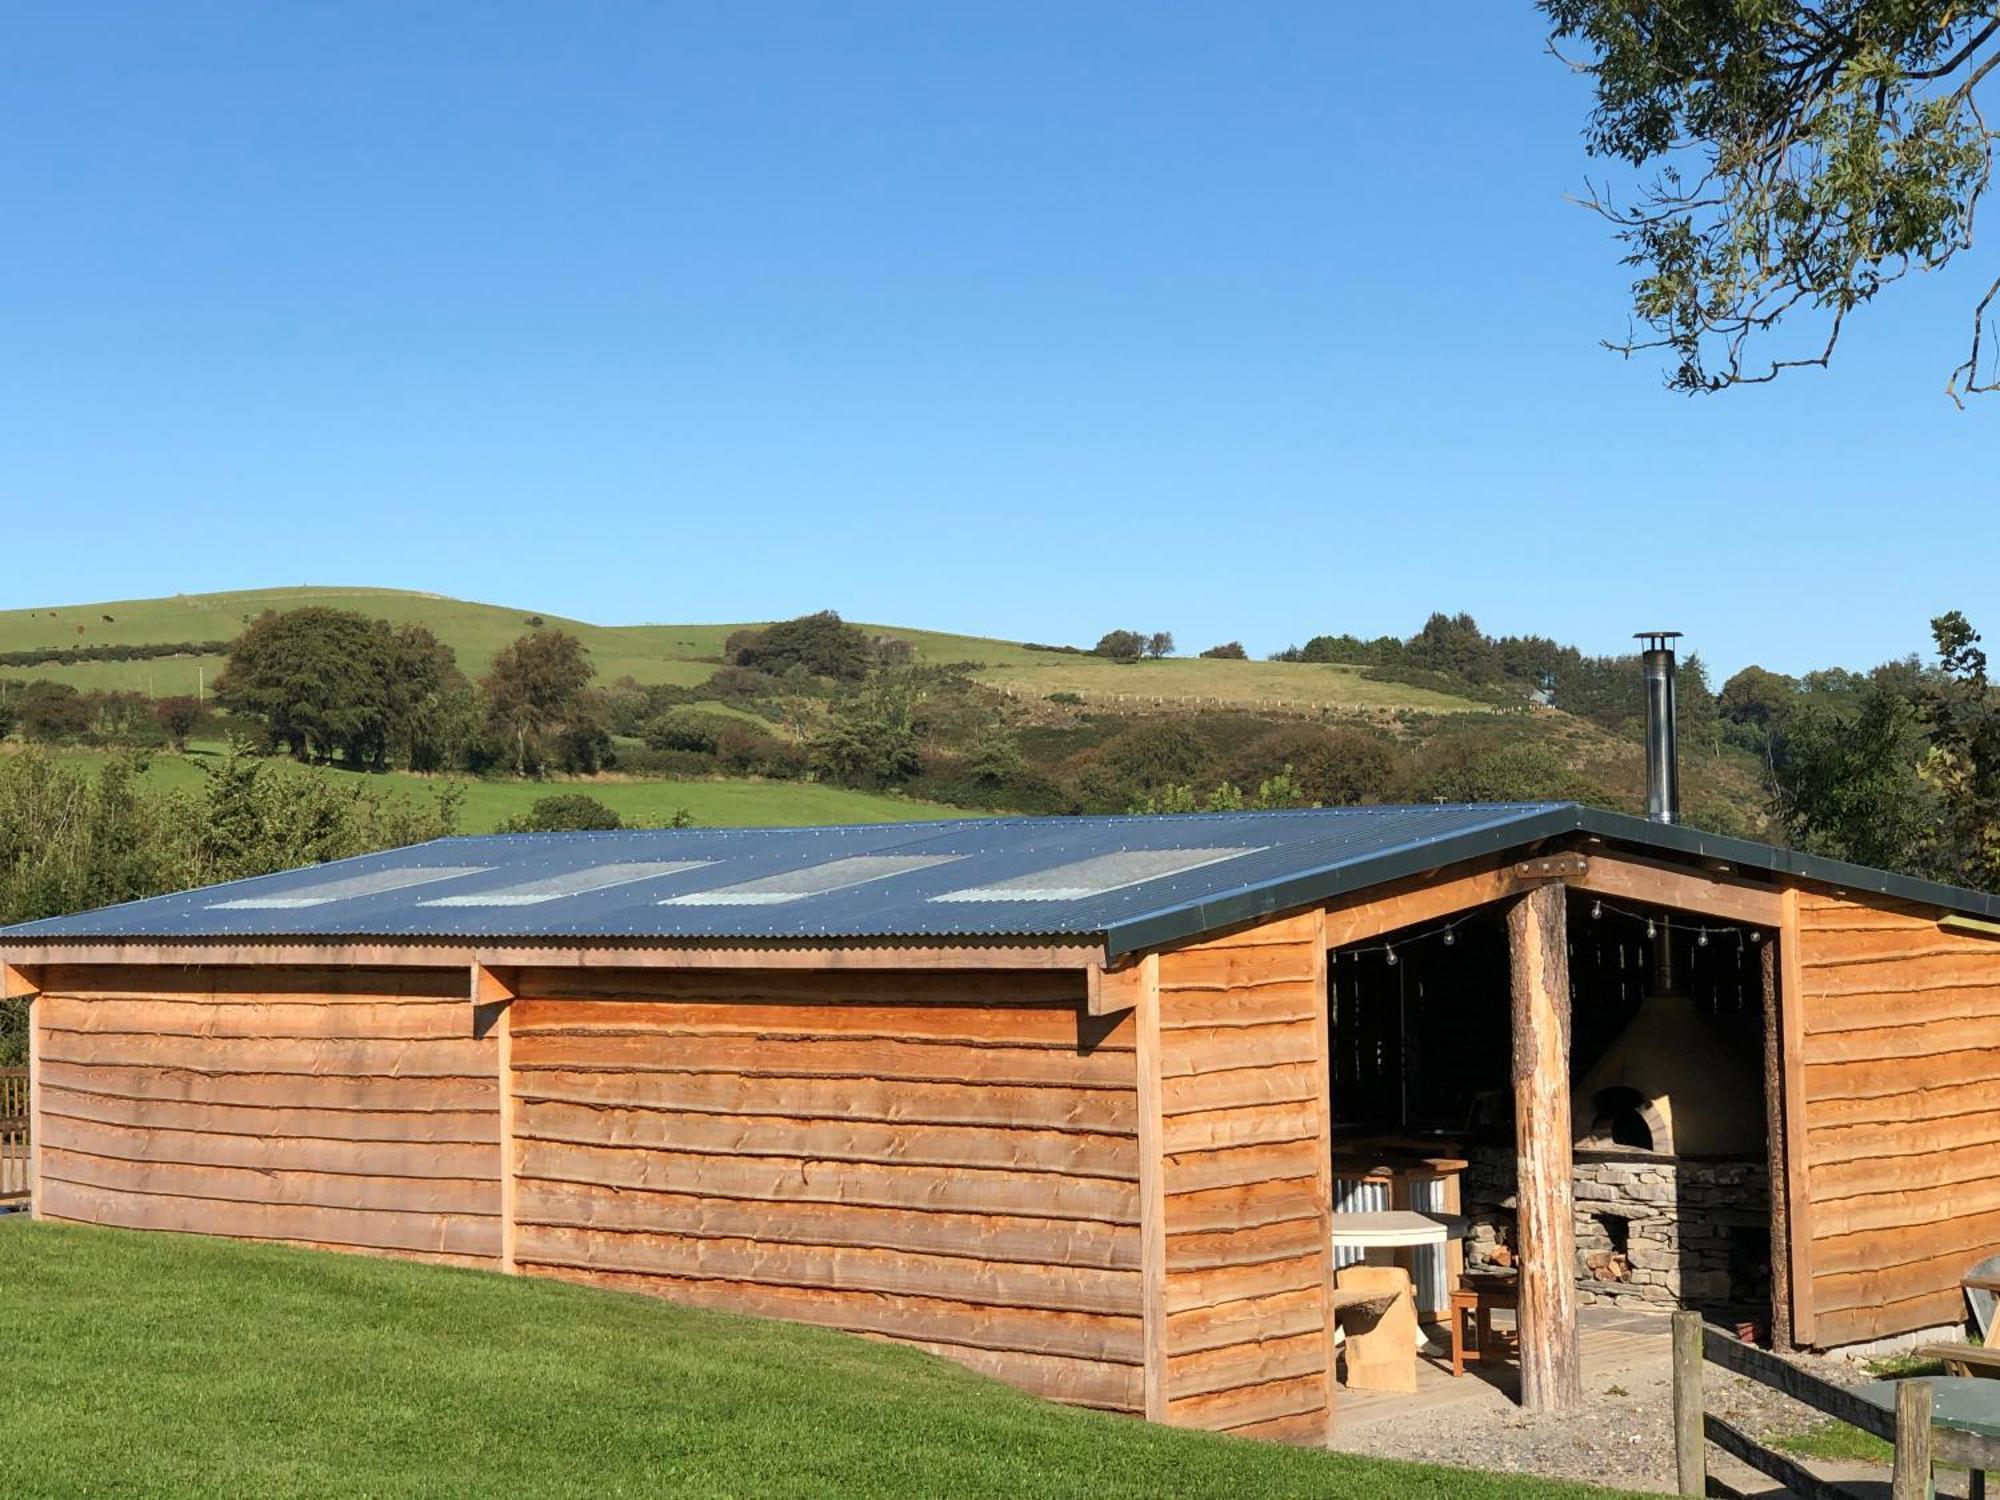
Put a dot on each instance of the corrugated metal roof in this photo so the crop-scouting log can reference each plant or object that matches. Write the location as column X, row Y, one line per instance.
column 972, row 878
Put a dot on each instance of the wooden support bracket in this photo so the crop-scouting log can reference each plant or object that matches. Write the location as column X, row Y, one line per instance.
column 1109, row 991
column 17, row 983
column 493, row 996
column 1553, row 867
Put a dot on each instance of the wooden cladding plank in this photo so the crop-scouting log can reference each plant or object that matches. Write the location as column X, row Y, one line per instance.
column 1856, row 1325
column 1919, row 1103
column 225, row 982
column 1869, row 1011
column 1908, row 974
column 997, row 1237
column 891, row 1271
column 1911, row 1174
column 1903, row 1043
column 1902, row 1076
column 1233, row 1366
column 783, row 1180
column 904, row 1142
column 1241, row 1166
column 1880, row 1211
column 1196, row 1049
column 275, row 1090
column 1970, row 1236
column 1271, row 1201
column 1279, row 1315
column 473, row 1235
column 1257, row 1125
column 1883, row 1286
column 904, row 1317
column 380, row 1020
column 1186, row 972
column 1058, row 1028
column 470, row 1127
column 153, row 1144
column 1239, row 1088
column 1096, row 1111
column 1286, row 1241
column 1251, row 1405
column 463, row 1058
column 1834, row 947
column 757, row 1056
column 428, row 1195
column 1220, row 1010
column 1902, row 1140
column 752, row 985
column 1079, row 1382
column 1190, row 1290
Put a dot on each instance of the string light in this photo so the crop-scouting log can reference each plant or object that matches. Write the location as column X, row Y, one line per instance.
column 1447, row 933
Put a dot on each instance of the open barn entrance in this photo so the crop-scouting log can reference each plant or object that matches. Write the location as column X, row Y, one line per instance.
column 1671, row 1190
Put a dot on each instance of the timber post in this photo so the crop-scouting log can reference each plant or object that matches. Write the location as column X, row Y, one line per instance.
column 1911, row 1478
column 1538, row 948
column 493, row 996
column 1775, row 1160
column 1690, row 1435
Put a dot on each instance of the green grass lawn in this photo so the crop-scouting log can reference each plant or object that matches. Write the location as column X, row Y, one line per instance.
column 712, row 804
column 168, row 1365
column 683, row 654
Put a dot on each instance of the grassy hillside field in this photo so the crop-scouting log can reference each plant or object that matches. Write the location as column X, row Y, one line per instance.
column 713, row 804
column 167, row 1365
column 681, row 654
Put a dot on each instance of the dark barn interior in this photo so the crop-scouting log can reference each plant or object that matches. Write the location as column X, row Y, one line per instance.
column 1672, row 1197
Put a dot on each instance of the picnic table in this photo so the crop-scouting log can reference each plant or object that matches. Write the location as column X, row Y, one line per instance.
column 1394, row 1229
column 1964, row 1403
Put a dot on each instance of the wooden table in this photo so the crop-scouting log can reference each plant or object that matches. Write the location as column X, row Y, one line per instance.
column 1964, row 1402
column 1396, row 1229
column 1478, row 1296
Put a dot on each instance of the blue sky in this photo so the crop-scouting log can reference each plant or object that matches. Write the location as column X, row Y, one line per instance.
column 1032, row 320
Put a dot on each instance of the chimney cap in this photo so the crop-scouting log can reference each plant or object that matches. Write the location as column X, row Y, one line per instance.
column 1657, row 640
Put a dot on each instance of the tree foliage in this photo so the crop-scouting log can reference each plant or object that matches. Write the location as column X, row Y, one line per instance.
column 1805, row 156
column 821, row 645
column 540, row 706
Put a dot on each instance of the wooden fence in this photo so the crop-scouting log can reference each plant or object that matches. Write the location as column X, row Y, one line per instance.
column 15, row 1161
column 1918, row 1442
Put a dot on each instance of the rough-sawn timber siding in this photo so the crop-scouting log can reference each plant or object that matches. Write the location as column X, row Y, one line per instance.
column 347, row 1109
column 945, row 1160
column 1902, row 1112
column 1245, row 1182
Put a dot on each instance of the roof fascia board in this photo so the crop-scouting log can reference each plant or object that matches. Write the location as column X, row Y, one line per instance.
column 1071, row 952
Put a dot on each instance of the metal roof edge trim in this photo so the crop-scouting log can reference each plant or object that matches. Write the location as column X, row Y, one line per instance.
column 1198, row 918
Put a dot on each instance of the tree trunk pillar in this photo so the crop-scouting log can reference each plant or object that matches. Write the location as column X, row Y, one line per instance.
column 1545, row 1192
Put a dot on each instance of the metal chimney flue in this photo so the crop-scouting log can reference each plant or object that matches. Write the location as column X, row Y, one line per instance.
column 1663, row 771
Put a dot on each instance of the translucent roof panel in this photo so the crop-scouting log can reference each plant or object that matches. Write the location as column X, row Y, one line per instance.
column 813, row 880
column 573, row 883
column 1097, row 875
column 372, row 883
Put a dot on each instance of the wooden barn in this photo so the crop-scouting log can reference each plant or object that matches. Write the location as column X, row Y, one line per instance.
column 1082, row 1102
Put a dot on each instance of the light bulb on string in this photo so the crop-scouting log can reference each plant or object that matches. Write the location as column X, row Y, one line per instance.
column 1651, row 930
column 1390, row 957
column 1450, row 938
column 1701, row 938
column 1596, row 910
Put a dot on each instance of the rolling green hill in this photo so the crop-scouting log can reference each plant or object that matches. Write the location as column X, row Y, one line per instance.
column 683, row 654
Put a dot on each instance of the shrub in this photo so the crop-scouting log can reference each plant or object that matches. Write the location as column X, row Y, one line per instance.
column 686, row 729
column 570, row 812
column 1227, row 651
column 1120, row 645
column 823, row 645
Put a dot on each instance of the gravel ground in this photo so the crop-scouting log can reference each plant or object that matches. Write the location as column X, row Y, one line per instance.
column 1623, row 1436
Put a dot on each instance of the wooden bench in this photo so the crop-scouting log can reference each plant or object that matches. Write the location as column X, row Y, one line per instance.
column 1963, row 1359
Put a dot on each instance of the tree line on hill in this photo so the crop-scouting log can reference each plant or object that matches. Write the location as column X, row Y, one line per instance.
column 1897, row 767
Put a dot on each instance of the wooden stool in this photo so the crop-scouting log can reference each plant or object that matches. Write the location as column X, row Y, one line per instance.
column 1479, row 1295
column 1381, row 1331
